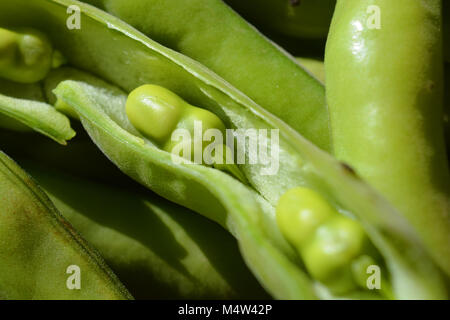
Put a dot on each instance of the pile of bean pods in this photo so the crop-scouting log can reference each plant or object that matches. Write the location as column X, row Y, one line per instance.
column 335, row 184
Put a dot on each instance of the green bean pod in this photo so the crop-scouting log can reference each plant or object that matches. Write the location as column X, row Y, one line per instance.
column 40, row 252
column 126, row 59
column 213, row 34
column 157, row 249
column 386, row 108
column 24, row 107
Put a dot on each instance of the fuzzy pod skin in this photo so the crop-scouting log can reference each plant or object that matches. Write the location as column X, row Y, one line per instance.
column 158, row 250
column 385, row 103
column 38, row 246
column 214, row 35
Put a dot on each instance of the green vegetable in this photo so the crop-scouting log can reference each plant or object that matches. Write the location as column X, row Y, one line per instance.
column 157, row 249
column 125, row 59
column 26, row 56
column 214, row 35
column 40, row 253
column 328, row 241
column 386, row 109
column 37, row 115
column 85, row 100
column 157, row 112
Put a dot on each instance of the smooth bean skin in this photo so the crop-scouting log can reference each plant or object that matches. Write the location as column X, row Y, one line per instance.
column 299, row 19
column 386, row 109
column 26, row 56
column 37, row 246
column 157, row 112
column 327, row 241
column 200, row 29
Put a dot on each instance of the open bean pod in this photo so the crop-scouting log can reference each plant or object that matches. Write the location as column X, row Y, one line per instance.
column 158, row 249
column 126, row 59
column 42, row 256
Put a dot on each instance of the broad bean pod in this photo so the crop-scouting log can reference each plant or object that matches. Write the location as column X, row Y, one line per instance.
column 127, row 59
column 386, row 109
column 213, row 34
column 39, row 248
column 157, row 249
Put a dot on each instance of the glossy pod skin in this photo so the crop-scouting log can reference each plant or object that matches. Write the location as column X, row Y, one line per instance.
column 39, row 247
column 157, row 249
column 211, row 33
column 226, row 200
column 386, row 109
column 294, row 18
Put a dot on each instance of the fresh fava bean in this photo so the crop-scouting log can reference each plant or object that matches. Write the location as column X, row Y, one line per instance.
column 40, row 252
column 330, row 243
column 386, row 109
column 317, row 69
column 148, row 155
column 295, row 18
column 200, row 29
column 211, row 192
column 26, row 56
column 156, row 248
column 25, row 59
column 157, row 112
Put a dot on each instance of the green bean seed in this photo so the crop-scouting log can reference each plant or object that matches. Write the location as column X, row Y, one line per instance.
column 26, row 56
column 327, row 241
column 157, row 112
